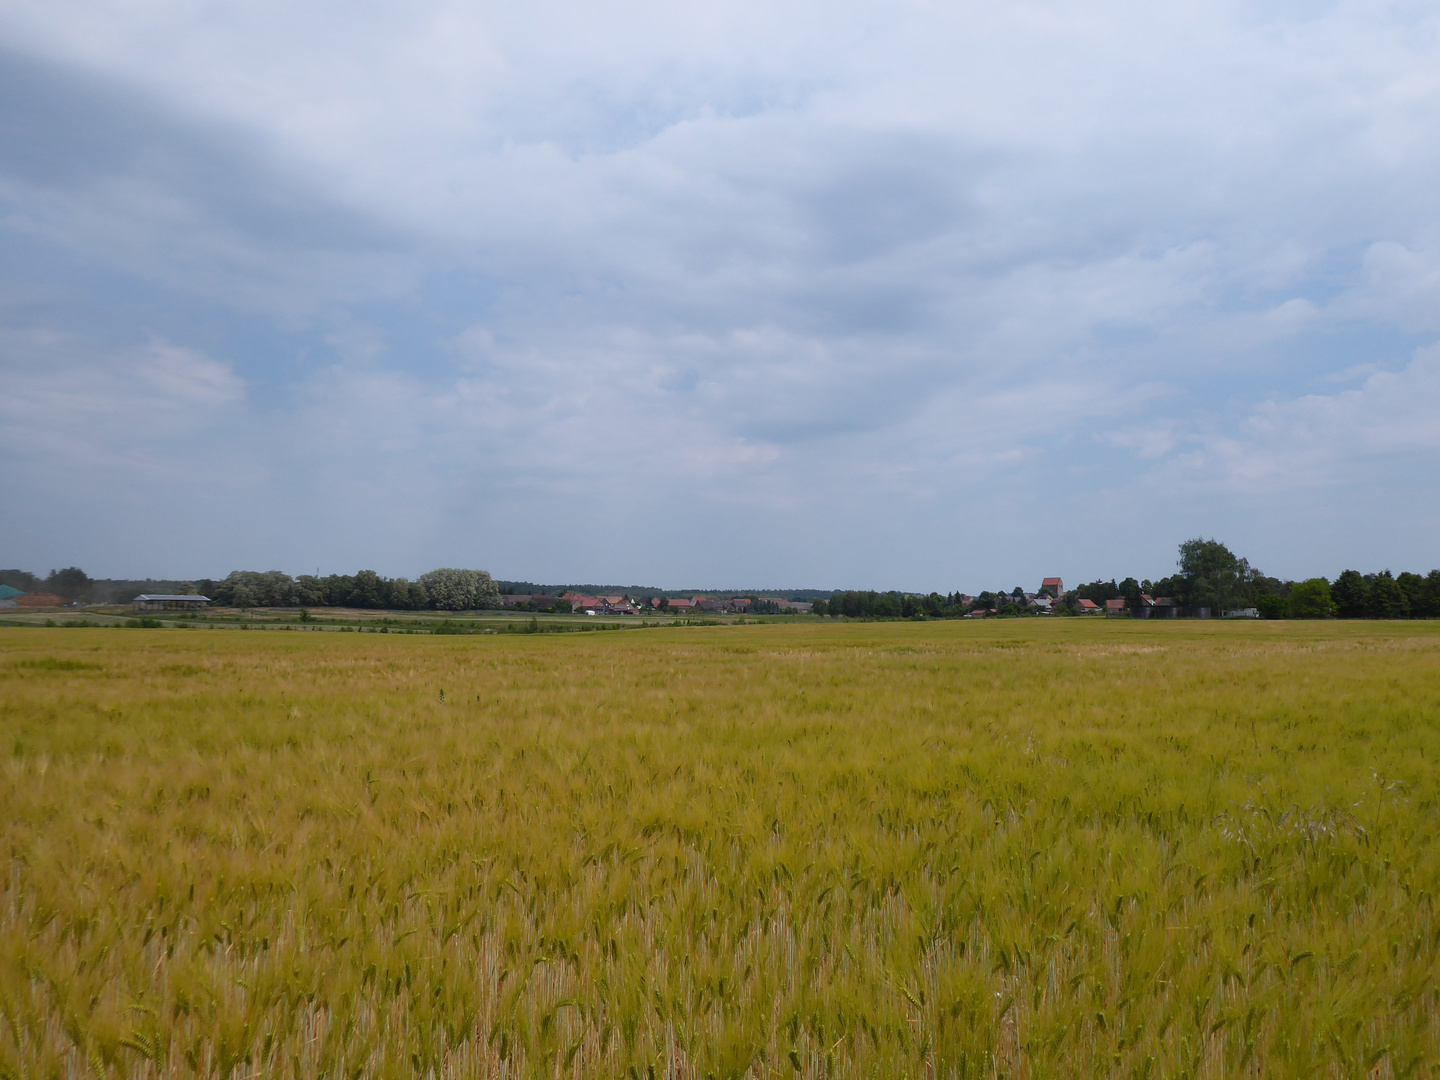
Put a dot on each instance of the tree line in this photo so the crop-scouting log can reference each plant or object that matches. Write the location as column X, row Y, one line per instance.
column 1210, row 577
column 445, row 589
column 72, row 583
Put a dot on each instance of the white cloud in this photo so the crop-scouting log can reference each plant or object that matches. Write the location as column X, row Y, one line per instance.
column 74, row 405
column 1145, row 442
column 1400, row 285
column 1326, row 440
column 455, row 256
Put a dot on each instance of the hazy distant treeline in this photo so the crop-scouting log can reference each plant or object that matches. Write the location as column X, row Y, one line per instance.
column 445, row 589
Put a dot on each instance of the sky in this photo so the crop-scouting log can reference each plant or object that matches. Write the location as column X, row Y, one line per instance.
column 915, row 295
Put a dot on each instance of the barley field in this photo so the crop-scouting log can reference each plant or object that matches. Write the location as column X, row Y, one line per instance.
column 1030, row 848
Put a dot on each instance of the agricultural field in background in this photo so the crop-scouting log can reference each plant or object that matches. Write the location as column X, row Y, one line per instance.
column 368, row 621
column 1021, row 849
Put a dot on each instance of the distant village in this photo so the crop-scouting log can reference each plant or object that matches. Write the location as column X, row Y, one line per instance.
column 1051, row 598
column 1212, row 582
column 580, row 603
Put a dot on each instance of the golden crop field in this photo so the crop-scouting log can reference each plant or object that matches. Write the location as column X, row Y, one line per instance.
column 1023, row 849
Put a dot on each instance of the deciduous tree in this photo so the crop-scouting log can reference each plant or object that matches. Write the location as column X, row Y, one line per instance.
column 1311, row 599
column 1352, row 595
column 1386, row 599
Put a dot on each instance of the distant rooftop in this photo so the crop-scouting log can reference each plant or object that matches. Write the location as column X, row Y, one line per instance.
column 168, row 596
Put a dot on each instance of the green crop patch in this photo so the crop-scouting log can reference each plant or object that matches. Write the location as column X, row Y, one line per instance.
column 51, row 663
column 943, row 849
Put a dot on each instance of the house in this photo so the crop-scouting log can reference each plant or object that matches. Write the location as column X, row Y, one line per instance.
column 1116, row 606
column 164, row 602
column 681, row 605
column 1055, row 586
column 1087, row 607
column 1039, row 603
column 8, row 595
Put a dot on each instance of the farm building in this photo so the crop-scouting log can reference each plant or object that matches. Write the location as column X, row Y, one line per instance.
column 8, row 596
column 162, row 602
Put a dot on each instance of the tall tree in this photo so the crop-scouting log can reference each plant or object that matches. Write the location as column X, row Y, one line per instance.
column 72, row 583
column 1412, row 587
column 369, row 590
column 20, row 579
column 1215, row 577
column 460, row 590
column 1352, row 595
column 1429, row 606
column 1386, row 599
column 1310, row 599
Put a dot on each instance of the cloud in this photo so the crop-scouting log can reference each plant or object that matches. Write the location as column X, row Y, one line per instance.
column 101, row 168
column 88, row 415
column 1150, row 442
column 1335, row 439
column 912, row 273
column 1400, row 285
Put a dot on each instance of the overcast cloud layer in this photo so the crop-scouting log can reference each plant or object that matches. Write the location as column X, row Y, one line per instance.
column 911, row 295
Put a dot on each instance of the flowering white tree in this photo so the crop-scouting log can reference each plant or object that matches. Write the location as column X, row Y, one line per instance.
column 460, row 590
